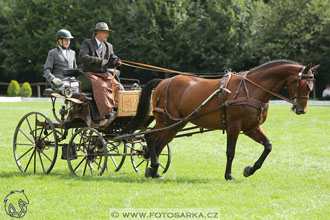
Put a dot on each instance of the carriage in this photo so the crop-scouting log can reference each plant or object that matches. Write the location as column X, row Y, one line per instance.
column 235, row 103
column 88, row 146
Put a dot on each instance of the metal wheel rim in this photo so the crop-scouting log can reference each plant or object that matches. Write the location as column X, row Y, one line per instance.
column 91, row 160
column 40, row 139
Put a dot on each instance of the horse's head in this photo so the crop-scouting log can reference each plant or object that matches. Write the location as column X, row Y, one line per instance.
column 300, row 87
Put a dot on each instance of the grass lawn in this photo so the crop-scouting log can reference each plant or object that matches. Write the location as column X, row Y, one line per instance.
column 294, row 182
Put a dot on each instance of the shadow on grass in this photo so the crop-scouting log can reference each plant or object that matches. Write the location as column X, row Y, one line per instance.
column 115, row 177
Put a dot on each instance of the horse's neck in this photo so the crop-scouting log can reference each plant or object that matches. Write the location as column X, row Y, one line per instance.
column 273, row 79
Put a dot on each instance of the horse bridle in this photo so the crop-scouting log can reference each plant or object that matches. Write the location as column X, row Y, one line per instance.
column 294, row 101
column 300, row 80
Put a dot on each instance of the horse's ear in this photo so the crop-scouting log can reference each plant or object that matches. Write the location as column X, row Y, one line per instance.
column 314, row 68
column 307, row 68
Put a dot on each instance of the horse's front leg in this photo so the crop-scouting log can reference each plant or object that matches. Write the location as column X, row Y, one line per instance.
column 259, row 136
column 232, row 135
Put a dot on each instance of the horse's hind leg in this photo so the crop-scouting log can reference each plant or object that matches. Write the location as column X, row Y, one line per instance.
column 259, row 136
column 151, row 140
column 156, row 142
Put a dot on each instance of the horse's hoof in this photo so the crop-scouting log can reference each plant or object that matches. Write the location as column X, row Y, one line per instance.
column 151, row 173
column 247, row 171
column 229, row 177
column 158, row 176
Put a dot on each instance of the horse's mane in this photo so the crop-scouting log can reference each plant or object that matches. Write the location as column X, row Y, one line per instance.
column 273, row 63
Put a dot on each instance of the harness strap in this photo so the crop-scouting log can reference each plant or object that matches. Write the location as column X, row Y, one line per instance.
column 251, row 102
column 270, row 92
column 222, row 97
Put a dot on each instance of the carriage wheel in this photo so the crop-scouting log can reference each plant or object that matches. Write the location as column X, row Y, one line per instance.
column 87, row 153
column 139, row 160
column 35, row 143
column 116, row 153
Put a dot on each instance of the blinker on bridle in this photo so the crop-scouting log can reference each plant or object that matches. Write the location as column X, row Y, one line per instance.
column 310, row 84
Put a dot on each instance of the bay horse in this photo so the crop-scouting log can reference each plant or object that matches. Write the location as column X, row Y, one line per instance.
column 236, row 103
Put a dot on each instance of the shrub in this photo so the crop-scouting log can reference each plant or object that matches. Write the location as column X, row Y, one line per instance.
column 13, row 88
column 26, row 90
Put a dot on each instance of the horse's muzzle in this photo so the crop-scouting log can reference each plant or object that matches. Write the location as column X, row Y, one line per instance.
column 301, row 112
column 298, row 110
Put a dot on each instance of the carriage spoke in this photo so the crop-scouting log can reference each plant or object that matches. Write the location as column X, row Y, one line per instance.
column 27, row 166
column 161, row 165
column 24, row 144
column 35, row 125
column 46, row 156
column 35, row 161
column 42, row 164
column 28, row 122
column 90, row 167
column 99, row 164
column 26, row 136
column 43, row 138
column 114, row 162
column 74, row 170
column 24, row 154
column 85, row 168
column 42, row 129
column 140, row 163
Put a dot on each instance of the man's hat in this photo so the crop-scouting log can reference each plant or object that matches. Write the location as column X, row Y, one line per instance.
column 101, row 26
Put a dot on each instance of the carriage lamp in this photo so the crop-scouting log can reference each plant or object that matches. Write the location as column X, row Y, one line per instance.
column 68, row 92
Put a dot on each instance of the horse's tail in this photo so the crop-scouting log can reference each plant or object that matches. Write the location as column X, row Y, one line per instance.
column 143, row 109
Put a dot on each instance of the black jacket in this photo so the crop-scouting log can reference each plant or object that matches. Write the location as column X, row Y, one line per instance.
column 89, row 50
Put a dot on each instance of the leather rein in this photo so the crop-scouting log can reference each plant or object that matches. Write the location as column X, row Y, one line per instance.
column 160, row 69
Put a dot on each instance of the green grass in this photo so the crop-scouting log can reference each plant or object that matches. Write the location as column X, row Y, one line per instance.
column 294, row 182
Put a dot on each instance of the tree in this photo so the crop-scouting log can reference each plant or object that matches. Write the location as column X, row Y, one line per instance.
column 296, row 30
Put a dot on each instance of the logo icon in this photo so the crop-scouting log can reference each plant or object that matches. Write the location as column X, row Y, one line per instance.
column 15, row 204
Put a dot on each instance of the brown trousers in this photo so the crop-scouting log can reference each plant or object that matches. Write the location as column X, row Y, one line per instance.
column 104, row 97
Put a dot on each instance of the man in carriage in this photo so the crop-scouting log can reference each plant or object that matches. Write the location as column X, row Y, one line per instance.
column 96, row 55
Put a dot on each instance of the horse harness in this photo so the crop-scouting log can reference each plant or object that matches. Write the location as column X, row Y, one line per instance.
column 223, row 102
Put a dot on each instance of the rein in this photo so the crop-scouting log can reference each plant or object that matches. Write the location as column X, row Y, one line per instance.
column 267, row 90
column 160, row 69
column 164, row 70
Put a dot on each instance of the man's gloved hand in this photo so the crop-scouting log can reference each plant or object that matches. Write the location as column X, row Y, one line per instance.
column 117, row 63
column 97, row 60
column 57, row 81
